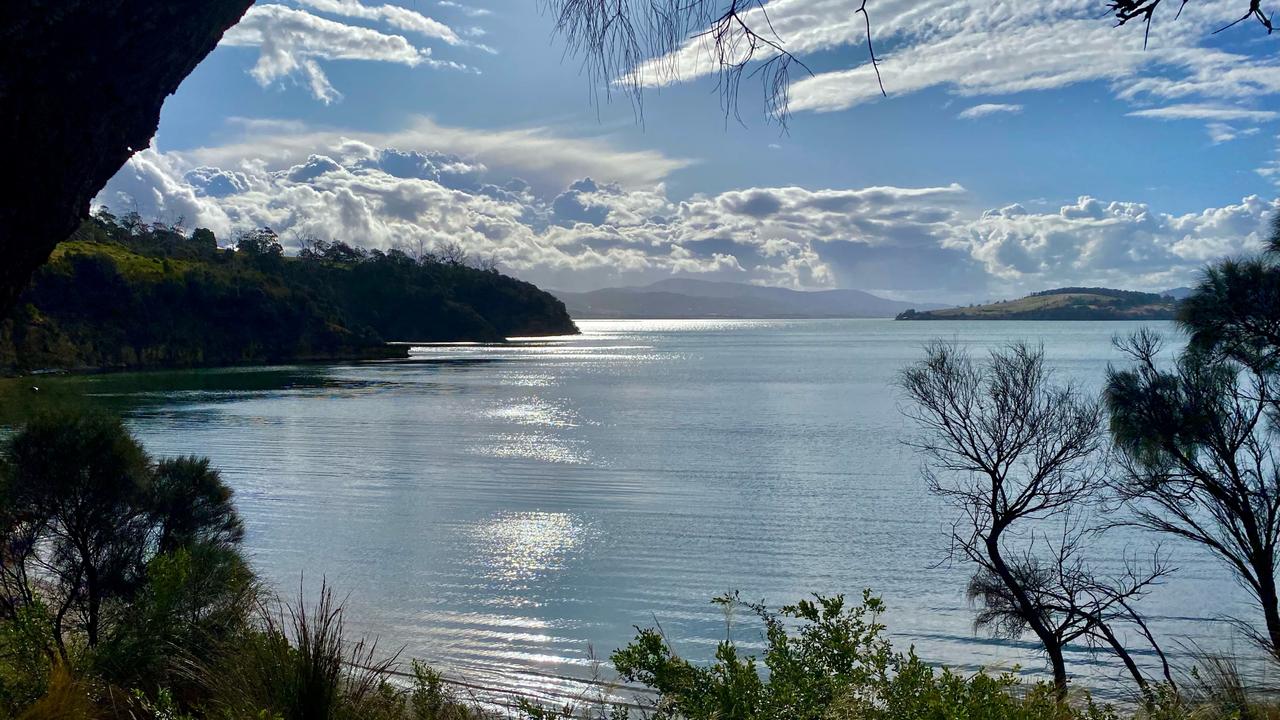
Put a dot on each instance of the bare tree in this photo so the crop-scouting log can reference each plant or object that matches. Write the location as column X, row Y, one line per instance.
column 626, row 43
column 418, row 249
column 1022, row 460
column 620, row 42
column 1198, row 441
column 1144, row 11
column 451, row 252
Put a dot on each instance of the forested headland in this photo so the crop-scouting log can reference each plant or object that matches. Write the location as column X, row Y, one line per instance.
column 124, row 294
column 1068, row 303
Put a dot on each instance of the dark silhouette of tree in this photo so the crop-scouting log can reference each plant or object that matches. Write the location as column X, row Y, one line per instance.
column 95, row 511
column 1235, row 309
column 1022, row 461
column 262, row 241
column 1199, row 434
column 82, row 83
column 1199, row 460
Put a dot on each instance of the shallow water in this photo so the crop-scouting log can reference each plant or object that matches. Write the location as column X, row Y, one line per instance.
column 503, row 510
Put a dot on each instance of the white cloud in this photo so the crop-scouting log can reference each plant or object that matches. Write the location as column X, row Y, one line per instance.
column 986, row 109
column 991, row 47
column 547, row 161
column 1115, row 244
column 1222, row 132
column 572, row 232
column 292, row 42
column 470, row 10
column 398, row 17
column 1271, row 168
column 1206, row 112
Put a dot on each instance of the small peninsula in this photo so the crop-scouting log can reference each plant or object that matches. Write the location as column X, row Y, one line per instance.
column 121, row 294
column 1069, row 303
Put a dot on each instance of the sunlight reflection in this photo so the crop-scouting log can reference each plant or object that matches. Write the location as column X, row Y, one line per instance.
column 534, row 446
column 535, row 411
column 526, row 545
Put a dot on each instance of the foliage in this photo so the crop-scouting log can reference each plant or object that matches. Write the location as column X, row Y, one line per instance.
column 112, row 565
column 1198, row 435
column 65, row 698
column 26, row 666
column 826, row 659
column 121, row 293
column 1235, row 309
column 298, row 663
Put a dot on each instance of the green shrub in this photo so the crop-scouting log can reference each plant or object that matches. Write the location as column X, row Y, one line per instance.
column 825, row 659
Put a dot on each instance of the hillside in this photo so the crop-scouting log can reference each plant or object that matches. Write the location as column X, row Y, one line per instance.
column 687, row 298
column 140, row 297
column 1073, row 303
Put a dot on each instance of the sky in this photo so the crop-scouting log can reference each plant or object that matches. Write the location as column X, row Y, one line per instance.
column 1021, row 146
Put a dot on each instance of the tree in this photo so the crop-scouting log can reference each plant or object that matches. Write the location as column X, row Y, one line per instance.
column 95, row 512
column 1235, row 309
column 1021, row 460
column 120, row 59
column 451, row 252
column 205, row 238
column 1198, row 435
column 262, row 241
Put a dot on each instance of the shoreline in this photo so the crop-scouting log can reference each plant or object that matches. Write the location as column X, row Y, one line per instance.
column 388, row 351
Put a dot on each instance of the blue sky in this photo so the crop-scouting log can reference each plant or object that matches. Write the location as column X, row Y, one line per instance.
column 1015, row 151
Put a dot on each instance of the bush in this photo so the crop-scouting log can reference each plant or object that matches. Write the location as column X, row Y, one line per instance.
column 826, row 659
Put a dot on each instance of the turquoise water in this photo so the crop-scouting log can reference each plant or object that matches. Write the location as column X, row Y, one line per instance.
column 505, row 510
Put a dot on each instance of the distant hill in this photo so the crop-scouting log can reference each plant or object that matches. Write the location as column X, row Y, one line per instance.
column 1179, row 293
column 1071, row 303
column 131, row 296
column 687, row 298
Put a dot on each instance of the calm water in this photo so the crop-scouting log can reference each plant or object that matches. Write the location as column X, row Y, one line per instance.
column 503, row 510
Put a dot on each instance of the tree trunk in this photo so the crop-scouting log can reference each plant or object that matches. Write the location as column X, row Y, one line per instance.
column 1270, row 601
column 81, row 85
column 1125, row 656
column 1052, row 646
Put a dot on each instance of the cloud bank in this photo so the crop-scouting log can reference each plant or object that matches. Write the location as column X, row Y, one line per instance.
column 578, row 225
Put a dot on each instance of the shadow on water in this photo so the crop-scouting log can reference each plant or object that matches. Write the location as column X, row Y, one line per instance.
column 122, row 393
column 133, row 392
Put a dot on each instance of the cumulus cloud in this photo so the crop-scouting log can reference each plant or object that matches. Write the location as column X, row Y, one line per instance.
column 586, row 230
column 1116, row 244
column 292, row 42
column 986, row 109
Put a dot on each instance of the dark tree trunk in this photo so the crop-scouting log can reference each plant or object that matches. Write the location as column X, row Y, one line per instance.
column 1050, row 641
column 1269, row 599
column 81, row 85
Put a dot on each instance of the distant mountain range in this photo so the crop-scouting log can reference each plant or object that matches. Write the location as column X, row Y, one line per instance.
column 687, row 298
column 1072, row 303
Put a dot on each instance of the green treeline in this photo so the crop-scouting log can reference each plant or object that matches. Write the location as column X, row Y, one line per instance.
column 120, row 293
column 1068, row 303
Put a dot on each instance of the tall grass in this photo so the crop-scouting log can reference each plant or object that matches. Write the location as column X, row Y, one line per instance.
column 299, row 664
